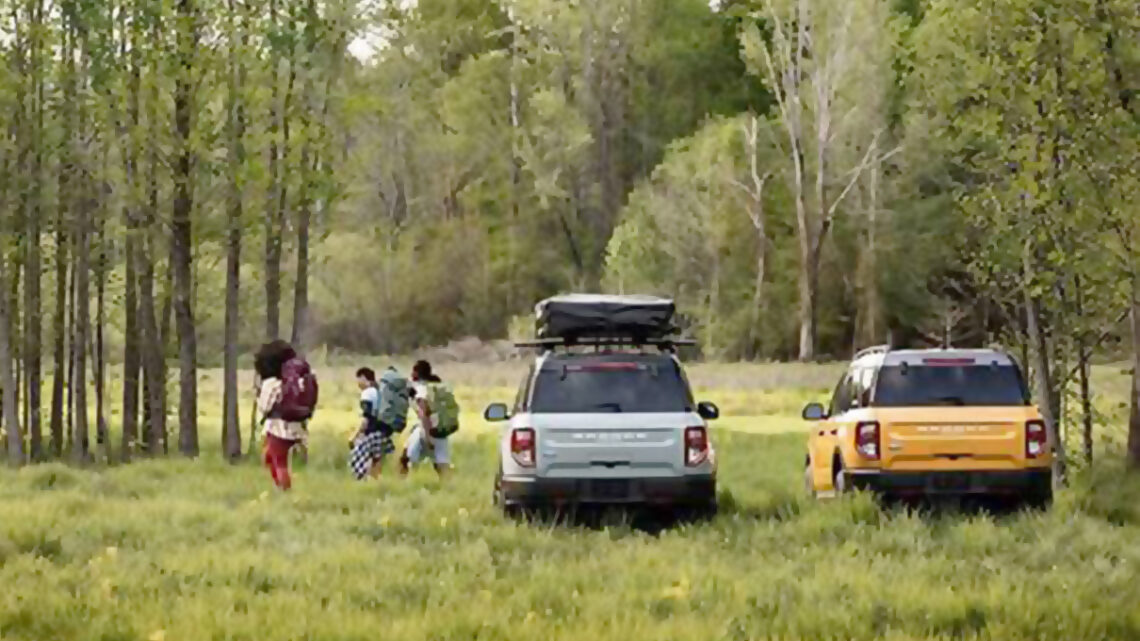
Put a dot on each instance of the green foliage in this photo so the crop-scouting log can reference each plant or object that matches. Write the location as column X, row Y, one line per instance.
column 686, row 234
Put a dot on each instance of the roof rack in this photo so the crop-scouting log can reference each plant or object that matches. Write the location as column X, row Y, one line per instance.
column 549, row 344
column 876, row 349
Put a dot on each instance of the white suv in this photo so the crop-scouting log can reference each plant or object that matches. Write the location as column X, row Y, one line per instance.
column 607, row 426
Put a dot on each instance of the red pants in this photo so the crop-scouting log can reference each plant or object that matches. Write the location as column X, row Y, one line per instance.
column 277, row 460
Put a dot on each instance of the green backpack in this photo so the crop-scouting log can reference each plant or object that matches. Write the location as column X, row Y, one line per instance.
column 394, row 400
column 441, row 402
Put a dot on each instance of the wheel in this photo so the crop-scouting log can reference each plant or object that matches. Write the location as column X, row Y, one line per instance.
column 841, row 480
column 1040, row 498
column 497, row 491
column 809, row 480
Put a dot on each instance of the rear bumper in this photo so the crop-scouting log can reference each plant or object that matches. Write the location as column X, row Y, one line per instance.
column 695, row 491
column 1004, row 482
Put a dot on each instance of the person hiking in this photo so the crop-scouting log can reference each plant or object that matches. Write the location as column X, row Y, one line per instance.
column 372, row 442
column 286, row 400
column 438, row 415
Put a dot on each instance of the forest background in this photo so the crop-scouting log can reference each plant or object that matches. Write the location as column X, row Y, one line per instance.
column 182, row 179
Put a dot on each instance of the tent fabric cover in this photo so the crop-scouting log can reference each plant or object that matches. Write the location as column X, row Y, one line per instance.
column 596, row 315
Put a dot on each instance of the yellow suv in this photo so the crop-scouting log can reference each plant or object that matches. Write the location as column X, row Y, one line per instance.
column 929, row 422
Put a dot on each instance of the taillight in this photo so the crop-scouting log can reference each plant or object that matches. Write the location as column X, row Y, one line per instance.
column 696, row 445
column 1036, row 439
column 522, row 446
column 867, row 439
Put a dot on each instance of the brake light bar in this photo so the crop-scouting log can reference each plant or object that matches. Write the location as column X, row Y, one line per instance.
column 605, row 367
column 948, row 361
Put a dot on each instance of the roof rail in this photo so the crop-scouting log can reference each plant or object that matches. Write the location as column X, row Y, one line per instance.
column 550, row 344
column 877, row 349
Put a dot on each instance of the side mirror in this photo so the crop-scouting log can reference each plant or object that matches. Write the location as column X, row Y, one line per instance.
column 496, row 412
column 814, row 412
column 708, row 411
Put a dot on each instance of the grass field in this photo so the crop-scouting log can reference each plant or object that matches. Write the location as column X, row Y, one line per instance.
column 174, row 549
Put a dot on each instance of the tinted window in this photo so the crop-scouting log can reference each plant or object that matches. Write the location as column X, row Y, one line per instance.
column 610, row 386
column 985, row 385
column 524, row 391
column 841, row 399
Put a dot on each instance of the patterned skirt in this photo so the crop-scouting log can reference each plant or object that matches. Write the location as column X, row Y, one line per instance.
column 368, row 449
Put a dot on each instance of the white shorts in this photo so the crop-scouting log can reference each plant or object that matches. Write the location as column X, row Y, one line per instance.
column 420, row 445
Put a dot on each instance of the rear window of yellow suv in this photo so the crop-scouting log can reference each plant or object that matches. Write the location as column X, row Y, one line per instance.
column 950, row 384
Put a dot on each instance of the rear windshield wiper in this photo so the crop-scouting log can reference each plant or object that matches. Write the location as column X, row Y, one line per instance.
column 950, row 400
column 616, row 407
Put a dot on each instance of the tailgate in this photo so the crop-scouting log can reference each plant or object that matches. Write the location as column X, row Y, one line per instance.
column 609, row 446
column 959, row 438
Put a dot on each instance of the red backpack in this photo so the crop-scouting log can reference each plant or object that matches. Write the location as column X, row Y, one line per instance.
column 299, row 392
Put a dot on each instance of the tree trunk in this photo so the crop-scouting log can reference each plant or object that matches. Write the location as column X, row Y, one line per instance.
column 231, row 422
column 63, row 240
column 33, row 212
column 278, row 192
column 1084, row 354
column 152, row 349
column 132, row 357
column 1134, row 413
column 1086, row 400
column 868, row 274
column 301, row 284
column 808, row 287
column 80, row 451
column 182, row 234
column 166, row 346
column 32, row 328
column 10, row 401
column 99, row 352
column 84, row 205
column 1047, row 397
column 253, row 425
column 756, row 213
column 9, row 398
column 805, row 241
column 59, row 325
column 72, row 324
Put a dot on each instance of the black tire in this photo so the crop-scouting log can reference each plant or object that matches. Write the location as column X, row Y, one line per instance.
column 706, row 512
column 1040, row 498
column 840, row 478
column 497, row 490
column 809, row 481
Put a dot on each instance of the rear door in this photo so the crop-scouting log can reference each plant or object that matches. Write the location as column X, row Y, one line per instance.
column 611, row 416
column 952, row 416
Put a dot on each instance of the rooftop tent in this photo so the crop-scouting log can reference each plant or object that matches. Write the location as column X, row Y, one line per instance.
column 594, row 315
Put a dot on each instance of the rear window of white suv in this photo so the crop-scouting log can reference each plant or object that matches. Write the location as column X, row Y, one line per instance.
column 610, row 385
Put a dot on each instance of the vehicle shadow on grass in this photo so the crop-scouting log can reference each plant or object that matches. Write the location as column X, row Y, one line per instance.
column 937, row 508
column 616, row 519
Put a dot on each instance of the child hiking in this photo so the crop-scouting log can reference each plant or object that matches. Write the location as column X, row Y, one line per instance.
column 286, row 400
column 438, row 415
column 384, row 409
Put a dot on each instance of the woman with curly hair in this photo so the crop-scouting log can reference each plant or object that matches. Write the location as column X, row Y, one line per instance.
column 280, row 435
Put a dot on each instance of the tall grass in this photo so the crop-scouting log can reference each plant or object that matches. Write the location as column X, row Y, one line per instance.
column 202, row 550
column 177, row 549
